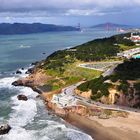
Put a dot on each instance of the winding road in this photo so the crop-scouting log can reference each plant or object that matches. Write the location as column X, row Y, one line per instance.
column 88, row 102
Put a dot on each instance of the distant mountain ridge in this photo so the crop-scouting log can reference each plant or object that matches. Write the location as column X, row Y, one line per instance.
column 110, row 25
column 25, row 28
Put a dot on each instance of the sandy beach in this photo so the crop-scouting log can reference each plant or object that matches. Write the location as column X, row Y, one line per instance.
column 132, row 123
column 100, row 131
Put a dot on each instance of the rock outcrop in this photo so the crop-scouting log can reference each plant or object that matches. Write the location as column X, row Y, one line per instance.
column 131, row 99
column 18, row 72
column 30, row 71
column 35, row 79
column 22, row 97
column 18, row 83
column 34, row 63
column 86, row 94
column 4, row 129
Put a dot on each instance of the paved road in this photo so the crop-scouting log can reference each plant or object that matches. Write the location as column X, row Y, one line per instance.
column 105, row 106
column 70, row 91
column 107, row 72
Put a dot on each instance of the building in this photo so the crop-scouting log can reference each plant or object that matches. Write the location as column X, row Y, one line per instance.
column 135, row 37
column 129, row 53
column 63, row 100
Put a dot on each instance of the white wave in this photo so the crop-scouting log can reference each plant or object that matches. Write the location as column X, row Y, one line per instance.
column 23, row 111
column 59, row 129
column 52, row 125
column 17, row 134
column 23, row 71
column 24, row 46
column 6, row 82
column 70, row 133
column 77, row 135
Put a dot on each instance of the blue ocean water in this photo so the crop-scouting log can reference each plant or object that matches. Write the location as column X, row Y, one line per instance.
column 29, row 120
column 20, row 50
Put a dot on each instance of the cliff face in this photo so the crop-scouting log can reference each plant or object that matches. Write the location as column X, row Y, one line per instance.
column 130, row 97
column 36, row 79
column 86, row 94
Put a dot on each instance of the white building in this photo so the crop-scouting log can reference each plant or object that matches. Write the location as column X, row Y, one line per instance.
column 63, row 100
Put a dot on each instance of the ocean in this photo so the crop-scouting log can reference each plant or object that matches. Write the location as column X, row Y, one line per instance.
column 30, row 120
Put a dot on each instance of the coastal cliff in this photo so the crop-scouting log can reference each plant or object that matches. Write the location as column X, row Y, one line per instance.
column 61, row 69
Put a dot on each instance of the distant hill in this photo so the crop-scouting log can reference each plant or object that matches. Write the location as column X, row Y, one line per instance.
column 24, row 28
column 110, row 26
column 98, row 49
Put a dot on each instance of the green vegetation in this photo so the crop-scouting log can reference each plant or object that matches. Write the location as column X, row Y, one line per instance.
column 96, row 50
column 126, row 47
column 56, row 64
column 98, row 87
column 62, row 65
column 124, row 85
column 69, row 74
column 120, row 39
column 129, row 70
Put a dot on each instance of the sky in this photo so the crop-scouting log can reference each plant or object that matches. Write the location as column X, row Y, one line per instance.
column 70, row 12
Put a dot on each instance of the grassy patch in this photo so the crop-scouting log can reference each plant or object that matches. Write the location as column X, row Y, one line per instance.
column 83, row 73
column 124, row 47
column 71, row 74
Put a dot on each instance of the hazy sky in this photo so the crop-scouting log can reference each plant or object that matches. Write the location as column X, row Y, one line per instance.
column 70, row 12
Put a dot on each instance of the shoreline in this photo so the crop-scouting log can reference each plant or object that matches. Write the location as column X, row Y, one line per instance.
column 92, row 127
column 99, row 132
